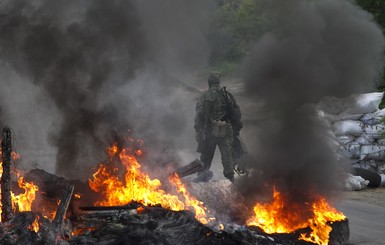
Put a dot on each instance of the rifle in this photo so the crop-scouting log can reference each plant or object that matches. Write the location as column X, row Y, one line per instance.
column 240, row 148
column 229, row 104
column 202, row 141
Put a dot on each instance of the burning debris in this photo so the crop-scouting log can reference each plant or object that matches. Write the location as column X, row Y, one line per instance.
column 281, row 217
column 128, row 206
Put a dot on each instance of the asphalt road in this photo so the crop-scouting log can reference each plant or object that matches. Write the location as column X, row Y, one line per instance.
column 366, row 213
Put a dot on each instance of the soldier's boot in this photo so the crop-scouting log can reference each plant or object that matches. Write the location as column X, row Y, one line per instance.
column 203, row 176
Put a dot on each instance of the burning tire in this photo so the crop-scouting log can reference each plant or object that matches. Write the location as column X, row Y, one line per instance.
column 340, row 233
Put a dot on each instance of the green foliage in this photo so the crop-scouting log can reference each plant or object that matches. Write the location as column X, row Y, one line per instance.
column 237, row 24
column 377, row 9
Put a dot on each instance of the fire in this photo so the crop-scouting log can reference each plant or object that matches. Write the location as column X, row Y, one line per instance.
column 79, row 231
column 35, row 225
column 190, row 201
column 140, row 210
column 23, row 201
column 49, row 211
column 135, row 185
column 280, row 217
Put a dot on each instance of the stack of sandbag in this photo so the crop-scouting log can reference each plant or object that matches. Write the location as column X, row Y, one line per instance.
column 356, row 122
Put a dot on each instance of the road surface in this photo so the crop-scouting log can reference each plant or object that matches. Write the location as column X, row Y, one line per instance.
column 366, row 213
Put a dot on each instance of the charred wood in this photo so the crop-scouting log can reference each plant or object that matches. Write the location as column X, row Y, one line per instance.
column 135, row 223
column 152, row 225
column 63, row 206
column 6, row 200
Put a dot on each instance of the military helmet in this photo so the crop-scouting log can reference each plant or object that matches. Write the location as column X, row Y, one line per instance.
column 214, row 78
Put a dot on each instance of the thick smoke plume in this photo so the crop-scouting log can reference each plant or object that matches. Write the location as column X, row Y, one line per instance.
column 313, row 49
column 94, row 69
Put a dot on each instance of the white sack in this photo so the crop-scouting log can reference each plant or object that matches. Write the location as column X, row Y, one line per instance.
column 381, row 141
column 373, row 118
column 348, row 127
column 375, row 152
column 340, row 117
column 364, row 139
column 375, row 131
column 353, row 104
column 365, row 103
column 355, row 183
column 332, row 105
column 345, row 139
column 379, row 113
column 352, row 151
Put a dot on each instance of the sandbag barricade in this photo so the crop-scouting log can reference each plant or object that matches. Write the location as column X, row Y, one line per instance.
column 357, row 123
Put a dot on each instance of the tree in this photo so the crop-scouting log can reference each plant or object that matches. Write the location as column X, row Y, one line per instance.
column 377, row 9
column 237, row 24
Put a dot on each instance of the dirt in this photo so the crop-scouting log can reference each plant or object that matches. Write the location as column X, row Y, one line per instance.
column 374, row 196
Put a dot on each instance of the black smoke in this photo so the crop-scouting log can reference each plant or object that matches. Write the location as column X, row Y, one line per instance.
column 313, row 49
column 101, row 68
column 72, row 60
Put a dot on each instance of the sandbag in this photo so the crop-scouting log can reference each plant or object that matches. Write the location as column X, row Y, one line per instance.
column 365, row 103
column 332, row 105
column 373, row 118
column 341, row 116
column 380, row 141
column 364, row 139
column 375, row 131
column 352, row 151
column 345, row 139
column 353, row 104
column 375, row 152
column 355, row 183
column 348, row 127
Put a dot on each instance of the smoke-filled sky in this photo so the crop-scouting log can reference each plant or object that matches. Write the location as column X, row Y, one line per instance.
column 313, row 49
column 77, row 74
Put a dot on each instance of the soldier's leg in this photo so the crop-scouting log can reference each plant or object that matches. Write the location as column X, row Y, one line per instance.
column 207, row 154
column 206, row 158
column 226, row 147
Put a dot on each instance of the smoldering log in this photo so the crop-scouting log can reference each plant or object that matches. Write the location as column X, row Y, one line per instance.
column 6, row 200
column 191, row 168
column 153, row 225
column 63, row 206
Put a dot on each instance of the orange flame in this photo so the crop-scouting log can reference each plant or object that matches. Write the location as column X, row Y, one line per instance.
column 23, row 201
column 279, row 216
column 138, row 186
column 79, row 231
column 35, row 225
column 190, row 201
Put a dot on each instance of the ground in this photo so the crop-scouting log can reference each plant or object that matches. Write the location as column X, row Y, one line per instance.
column 366, row 213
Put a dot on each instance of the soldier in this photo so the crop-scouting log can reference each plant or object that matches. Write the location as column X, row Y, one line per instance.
column 217, row 122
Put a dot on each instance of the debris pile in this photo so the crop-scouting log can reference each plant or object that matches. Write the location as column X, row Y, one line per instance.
column 71, row 212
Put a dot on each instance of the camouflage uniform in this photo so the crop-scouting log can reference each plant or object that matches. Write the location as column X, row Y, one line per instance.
column 210, row 107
